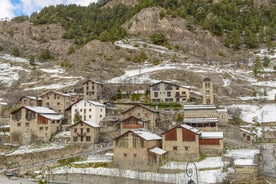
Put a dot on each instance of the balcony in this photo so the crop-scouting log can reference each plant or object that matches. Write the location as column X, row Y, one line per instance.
column 132, row 126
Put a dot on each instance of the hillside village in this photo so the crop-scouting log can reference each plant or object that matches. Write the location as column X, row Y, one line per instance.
column 142, row 92
column 178, row 125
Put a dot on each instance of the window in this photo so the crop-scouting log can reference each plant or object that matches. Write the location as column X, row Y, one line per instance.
column 75, row 139
column 58, row 103
column 136, row 142
column 156, row 88
column 75, row 130
column 46, row 128
column 186, row 148
column 168, row 87
column 40, row 128
column 80, row 110
column 84, row 111
column 244, row 135
column 27, row 124
column 175, row 147
column 18, row 124
column 207, row 85
column 177, row 94
column 84, row 104
column 125, row 155
column 177, row 87
column 93, row 92
column 155, row 94
column 134, row 155
column 89, row 110
column 88, row 130
column 169, row 94
column 89, row 116
column 88, row 138
column 101, row 116
column 207, row 92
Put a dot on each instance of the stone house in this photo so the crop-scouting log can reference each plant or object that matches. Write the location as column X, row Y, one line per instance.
column 143, row 113
column 168, row 92
column 133, row 122
column 31, row 101
column 58, row 101
column 205, row 111
column 30, row 122
column 186, row 143
column 211, row 143
column 182, row 143
column 84, row 132
column 246, row 135
column 138, row 148
column 203, row 124
column 92, row 90
column 88, row 110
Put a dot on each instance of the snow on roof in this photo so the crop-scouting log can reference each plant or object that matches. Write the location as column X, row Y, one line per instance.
column 52, row 116
column 244, row 162
column 200, row 120
column 95, row 103
column 221, row 110
column 3, row 103
column 41, row 110
column 190, row 128
column 33, row 97
column 214, row 135
column 92, row 124
column 145, row 134
column 246, row 131
column 198, row 107
column 158, row 151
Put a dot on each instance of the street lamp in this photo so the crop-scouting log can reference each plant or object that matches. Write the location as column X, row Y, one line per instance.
column 189, row 172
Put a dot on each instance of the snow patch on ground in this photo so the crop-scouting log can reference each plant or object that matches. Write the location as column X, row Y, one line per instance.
column 13, row 58
column 31, row 148
column 262, row 113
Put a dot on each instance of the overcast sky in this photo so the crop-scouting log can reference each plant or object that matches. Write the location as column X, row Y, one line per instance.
column 12, row 8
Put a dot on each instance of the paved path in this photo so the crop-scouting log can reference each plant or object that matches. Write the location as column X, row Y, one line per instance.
column 268, row 168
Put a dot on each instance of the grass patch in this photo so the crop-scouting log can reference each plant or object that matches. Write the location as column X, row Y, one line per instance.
column 91, row 165
column 67, row 161
column 166, row 105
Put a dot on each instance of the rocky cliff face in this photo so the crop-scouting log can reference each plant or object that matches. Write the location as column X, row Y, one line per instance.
column 125, row 2
column 196, row 41
column 30, row 39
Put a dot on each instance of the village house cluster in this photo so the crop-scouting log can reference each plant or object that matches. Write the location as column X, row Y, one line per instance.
column 147, row 135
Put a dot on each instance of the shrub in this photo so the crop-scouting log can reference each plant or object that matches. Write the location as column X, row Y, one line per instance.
column 15, row 52
column 71, row 50
column 45, row 54
column 158, row 38
column 266, row 61
column 1, row 48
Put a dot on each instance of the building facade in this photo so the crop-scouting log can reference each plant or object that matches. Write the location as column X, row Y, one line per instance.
column 207, row 91
column 92, row 90
column 58, row 101
column 133, row 122
column 138, row 148
column 84, row 132
column 168, row 92
column 182, row 143
column 205, row 111
column 31, row 101
column 144, row 113
column 186, row 143
column 88, row 110
column 33, row 122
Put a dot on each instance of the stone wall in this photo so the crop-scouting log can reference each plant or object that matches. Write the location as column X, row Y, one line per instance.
column 96, row 179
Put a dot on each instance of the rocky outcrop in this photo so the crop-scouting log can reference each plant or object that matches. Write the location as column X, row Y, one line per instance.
column 196, row 41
